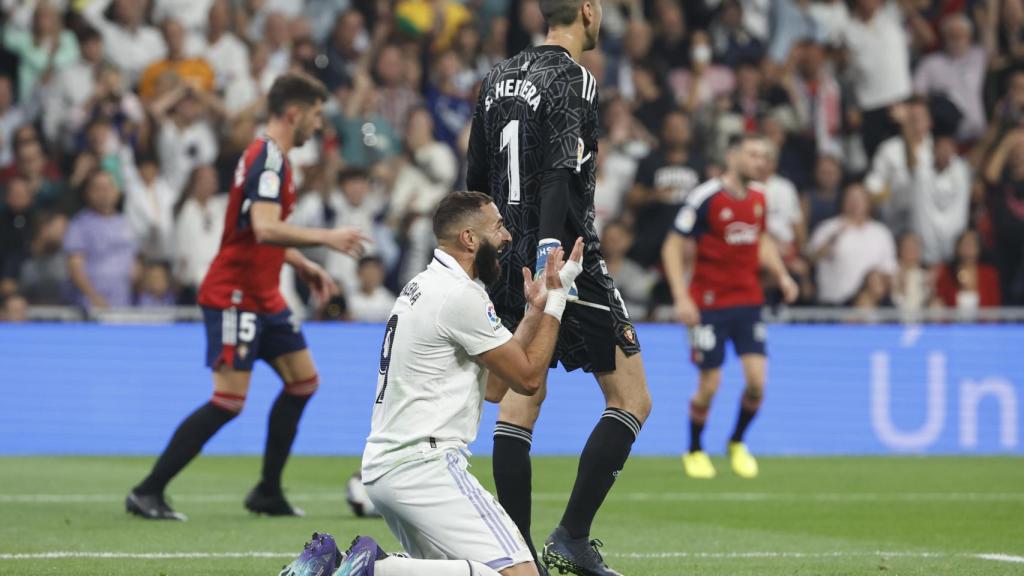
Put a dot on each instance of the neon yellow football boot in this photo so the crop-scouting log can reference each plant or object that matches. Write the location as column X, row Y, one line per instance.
column 698, row 465
column 743, row 463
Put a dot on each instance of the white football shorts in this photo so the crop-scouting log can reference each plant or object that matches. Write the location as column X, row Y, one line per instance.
column 439, row 511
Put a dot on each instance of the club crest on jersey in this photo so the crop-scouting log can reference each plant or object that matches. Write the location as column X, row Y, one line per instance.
column 726, row 214
column 492, row 315
column 242, row 351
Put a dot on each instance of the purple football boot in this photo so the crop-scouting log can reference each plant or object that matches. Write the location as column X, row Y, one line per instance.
column 360, row 557
column 320, row 557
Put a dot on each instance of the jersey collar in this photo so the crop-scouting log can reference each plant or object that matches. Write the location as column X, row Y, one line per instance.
column 446, row 260
column 551, row 48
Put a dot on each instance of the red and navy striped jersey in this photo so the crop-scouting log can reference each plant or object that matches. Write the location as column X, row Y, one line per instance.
column 246, row 274
column 728, row 232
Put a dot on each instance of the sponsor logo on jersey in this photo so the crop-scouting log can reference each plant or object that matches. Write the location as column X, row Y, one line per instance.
column 740, row 233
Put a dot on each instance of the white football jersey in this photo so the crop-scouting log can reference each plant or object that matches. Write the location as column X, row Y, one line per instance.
column 430, row 389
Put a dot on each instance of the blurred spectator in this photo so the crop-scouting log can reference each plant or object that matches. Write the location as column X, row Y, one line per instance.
column 17, row 223
column 149, row 206
column 847, row 247
column 176, row 67
column 277, row 35
column 663, row 180
column 186, row 137
column 731, row 41
column 371, row 302
column 705, row 81
column 11, row 118
column 966, row 283
column 155, row 287
column 670, row 48
column 115, row 104
column 618, row 155
column 1004, row 176
column 346, row 45
column 426, row 174
column 220, row 47
column 633, row 280
column 652, row 102
column 32, row 164
column 821, row 202
column 790, row 22
column 246, row 91
column 194, row 15
column 448, row 99
column 367, row 137
column 197, row 230
column 44, row 276
column 322, row 14
column 636, row 48
column 784, row 221
column 15, row 309
column 129, row 42
column 872, row 295
column 912, row 284
column 878, row 55
column 831, row 17
column 101, row 247
column 891, row 179
column 958, row 73
column 816, row 98
column 44, row 50
column 395, row 96
column 67, row 95
column 941, row 201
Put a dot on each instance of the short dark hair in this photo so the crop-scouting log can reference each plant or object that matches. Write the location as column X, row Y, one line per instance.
column 348, row 174
column 737, row 140
column 560, row 12
column 294, row 88
column 454, row 208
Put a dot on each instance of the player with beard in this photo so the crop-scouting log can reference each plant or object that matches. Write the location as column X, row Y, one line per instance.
column 533, row 148
column 440, row 343
column 726, row 218
column 245, row 315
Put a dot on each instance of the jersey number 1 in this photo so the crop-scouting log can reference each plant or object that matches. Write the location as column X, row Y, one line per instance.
column 385, row 356
column 510, row 140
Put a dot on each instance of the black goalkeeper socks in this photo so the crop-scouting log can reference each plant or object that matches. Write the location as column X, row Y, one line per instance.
column 698, row 417
column 281, row 429
column 513, row 475
column 188, row 440
column 600, row 463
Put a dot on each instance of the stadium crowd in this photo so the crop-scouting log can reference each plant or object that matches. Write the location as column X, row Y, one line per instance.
column 897, row 127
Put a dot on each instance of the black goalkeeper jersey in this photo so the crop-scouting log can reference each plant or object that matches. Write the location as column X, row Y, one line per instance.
column 536, row 111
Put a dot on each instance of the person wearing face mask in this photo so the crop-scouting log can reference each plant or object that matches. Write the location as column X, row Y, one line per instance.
column 705, row 81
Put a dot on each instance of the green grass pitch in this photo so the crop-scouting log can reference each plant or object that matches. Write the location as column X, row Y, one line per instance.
column 836, row 516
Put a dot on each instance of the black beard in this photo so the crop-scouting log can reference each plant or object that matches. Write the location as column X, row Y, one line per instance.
column 486, row 261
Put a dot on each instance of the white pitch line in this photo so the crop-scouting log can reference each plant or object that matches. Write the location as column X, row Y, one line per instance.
column 558, row 496
column 631, row 555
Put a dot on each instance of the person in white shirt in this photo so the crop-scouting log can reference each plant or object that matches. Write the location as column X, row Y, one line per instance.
column 186, row 137
column 70, row 90
column 191, row 13
column 220, row 47
column 878, row 55
column 128, row 41
column 941, row 202
column 847, row 247
column 198, row 229
column 444, row 352
column 891, row 178
column 785, row 216
column 11, row 118
column 371, row 302
column 149, row 206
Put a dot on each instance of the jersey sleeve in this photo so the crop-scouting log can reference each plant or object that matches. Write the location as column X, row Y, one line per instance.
column 477, row 158
column 265, row 176
column 691, row 220
column 468, row 317
column 563, row 120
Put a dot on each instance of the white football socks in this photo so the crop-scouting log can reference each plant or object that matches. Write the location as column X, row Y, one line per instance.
column 401, row 566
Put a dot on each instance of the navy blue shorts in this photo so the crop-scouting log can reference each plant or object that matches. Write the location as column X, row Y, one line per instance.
column 237, row 339
column 742, row 325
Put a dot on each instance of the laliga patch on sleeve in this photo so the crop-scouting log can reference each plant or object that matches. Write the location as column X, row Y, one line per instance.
column 686, row 219
column 270, row 185
column 492, row 315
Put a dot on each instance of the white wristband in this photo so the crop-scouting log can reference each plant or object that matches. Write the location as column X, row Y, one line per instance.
column 555, row 304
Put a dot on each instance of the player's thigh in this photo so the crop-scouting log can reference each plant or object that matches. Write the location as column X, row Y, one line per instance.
column 626, row 387
column 231, row 382
column 522, row 410
column 283, row 346
column 708, row 382
column 748, row 337
column 440, row 511
column 708, row 339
